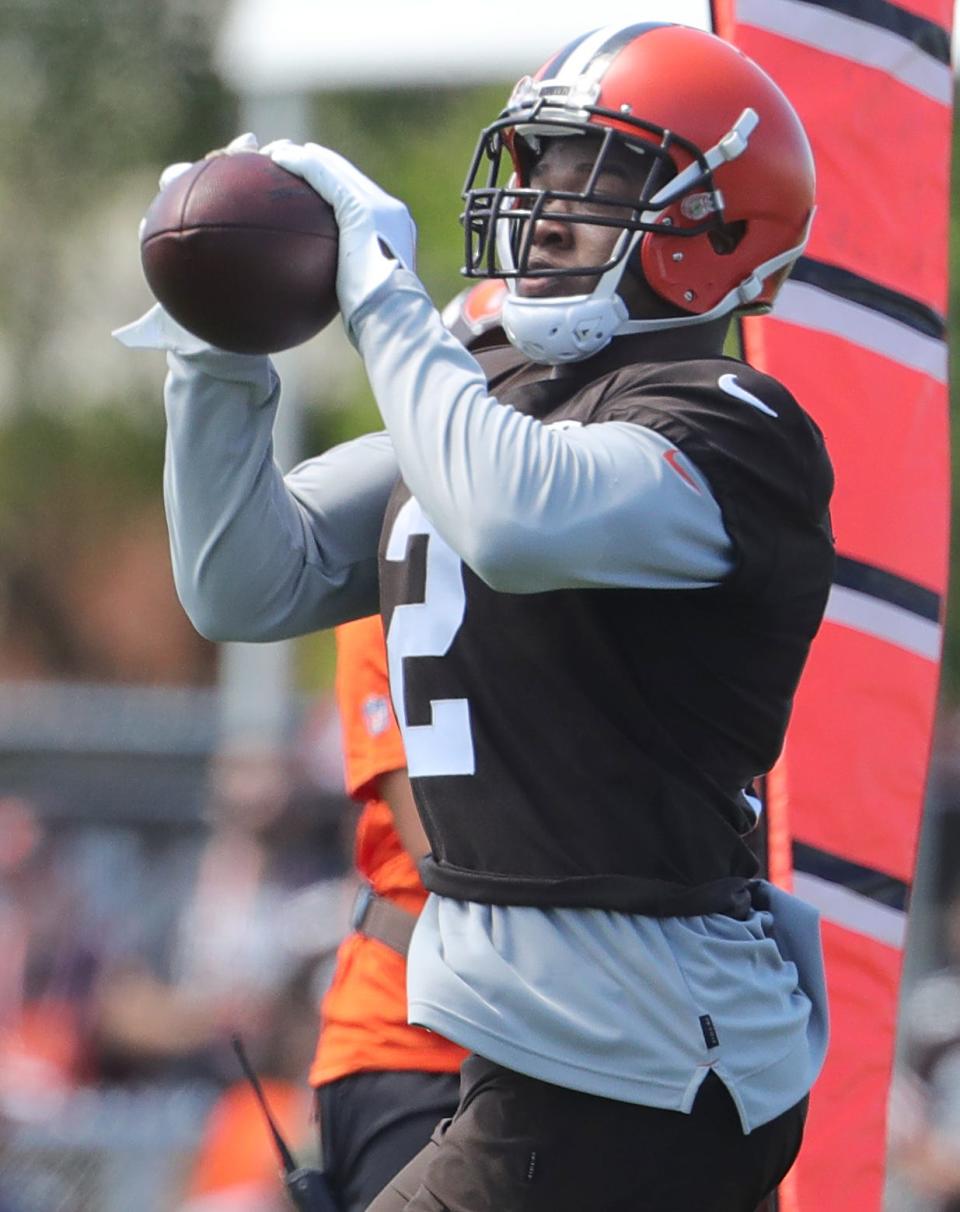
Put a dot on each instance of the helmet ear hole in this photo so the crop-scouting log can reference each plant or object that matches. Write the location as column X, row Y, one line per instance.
column 725, row 238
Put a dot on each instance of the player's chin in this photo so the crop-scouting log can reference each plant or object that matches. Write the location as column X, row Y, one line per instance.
column 554, row 288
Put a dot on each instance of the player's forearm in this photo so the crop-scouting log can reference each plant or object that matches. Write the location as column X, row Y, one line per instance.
column 528, row 507
column 250, row 559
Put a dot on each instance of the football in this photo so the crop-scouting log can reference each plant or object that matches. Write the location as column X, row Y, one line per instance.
column 243, row 254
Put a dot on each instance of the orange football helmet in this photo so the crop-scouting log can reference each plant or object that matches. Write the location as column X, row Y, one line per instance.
column 722, row 214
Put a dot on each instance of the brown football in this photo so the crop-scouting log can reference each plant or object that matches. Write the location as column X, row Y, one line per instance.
column 243, row 254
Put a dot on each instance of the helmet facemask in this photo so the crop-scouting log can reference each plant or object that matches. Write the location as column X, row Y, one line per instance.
column 502, row 208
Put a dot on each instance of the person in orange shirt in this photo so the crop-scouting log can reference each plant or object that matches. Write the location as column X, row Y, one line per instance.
column 382, row 1085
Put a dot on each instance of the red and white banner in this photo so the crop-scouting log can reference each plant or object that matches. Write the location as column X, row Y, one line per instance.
column 858, row 336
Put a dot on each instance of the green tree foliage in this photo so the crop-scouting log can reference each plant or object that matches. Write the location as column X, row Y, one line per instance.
column 68, row 486
column 88, row 90
column 98, row 86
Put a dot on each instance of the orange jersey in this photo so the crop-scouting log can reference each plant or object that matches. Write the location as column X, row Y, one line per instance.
column 364, row 1016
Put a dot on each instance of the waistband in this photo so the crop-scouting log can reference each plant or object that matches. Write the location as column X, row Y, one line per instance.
column 730, row 895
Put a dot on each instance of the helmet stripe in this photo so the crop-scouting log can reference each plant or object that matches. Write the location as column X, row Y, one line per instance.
column 627, row 34
column 583, row 53
column 552, row 68
column 608, row 50
column 603, row 43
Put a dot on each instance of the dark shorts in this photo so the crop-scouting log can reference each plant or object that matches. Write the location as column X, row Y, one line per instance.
column 520, row 1145
column 372, row 1124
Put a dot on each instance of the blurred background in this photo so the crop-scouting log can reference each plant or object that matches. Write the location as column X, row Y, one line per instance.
column 174, row 838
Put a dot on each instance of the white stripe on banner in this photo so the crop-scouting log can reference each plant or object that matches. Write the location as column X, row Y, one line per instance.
column 851, row 910
column 809, row 306
column 838, row 34
column 870, row 615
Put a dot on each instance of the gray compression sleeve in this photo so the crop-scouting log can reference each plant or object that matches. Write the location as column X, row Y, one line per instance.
column 530, row 507
column 256, row 557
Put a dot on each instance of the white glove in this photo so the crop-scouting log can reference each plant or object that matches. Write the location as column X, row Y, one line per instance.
column 157, row 329
column 376, row 230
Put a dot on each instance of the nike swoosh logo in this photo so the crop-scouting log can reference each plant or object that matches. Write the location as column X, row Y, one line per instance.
column 670, row 458
column 729, row 384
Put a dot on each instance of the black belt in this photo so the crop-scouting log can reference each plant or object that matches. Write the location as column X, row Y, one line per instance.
column 376, row 917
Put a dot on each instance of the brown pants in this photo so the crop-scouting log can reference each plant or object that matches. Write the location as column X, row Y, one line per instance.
column 519, row 1145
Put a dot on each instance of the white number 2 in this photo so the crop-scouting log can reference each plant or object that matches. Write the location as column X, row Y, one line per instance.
column 427, row 629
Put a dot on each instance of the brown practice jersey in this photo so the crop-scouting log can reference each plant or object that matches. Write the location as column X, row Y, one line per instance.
column 590, row 746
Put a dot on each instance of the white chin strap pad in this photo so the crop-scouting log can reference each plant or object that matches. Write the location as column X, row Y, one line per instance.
column 558, row 330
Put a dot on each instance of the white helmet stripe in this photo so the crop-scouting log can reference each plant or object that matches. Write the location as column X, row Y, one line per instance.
column 607, row 41
column 577, row 63
column 552, row 68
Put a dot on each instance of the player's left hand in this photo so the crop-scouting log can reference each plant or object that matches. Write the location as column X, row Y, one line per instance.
column 247, row 142
column 376, row 230
column 157, row 329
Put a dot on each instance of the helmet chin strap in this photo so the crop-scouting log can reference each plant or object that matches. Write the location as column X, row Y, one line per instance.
column 569, row 328
column 565, row 329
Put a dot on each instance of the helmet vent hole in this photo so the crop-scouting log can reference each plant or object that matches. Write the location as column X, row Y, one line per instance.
column 724, row 239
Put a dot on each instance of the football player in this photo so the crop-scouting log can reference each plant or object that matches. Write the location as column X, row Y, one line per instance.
column 603, row 553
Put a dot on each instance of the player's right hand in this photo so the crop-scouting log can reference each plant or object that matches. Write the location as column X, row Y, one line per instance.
column 377, row 231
